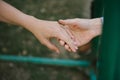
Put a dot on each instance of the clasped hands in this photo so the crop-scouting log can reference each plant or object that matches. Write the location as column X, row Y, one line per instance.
column 70, row 33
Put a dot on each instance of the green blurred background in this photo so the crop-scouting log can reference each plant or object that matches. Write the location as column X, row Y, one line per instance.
column 18, row 41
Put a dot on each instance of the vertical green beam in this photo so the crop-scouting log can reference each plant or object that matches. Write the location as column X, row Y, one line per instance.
column 97, row 11
column 109, row 61
column 97, row 8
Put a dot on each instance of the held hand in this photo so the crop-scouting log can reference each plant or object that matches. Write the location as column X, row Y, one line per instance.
column 44, row 30
column 83, row 29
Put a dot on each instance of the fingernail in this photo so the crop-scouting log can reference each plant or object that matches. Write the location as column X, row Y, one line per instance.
column 76, row 48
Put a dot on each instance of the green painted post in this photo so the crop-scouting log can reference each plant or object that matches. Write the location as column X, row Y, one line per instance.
column 97, row 11
column 109, row 61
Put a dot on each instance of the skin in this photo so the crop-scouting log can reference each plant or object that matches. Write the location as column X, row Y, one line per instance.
column 42, row 29
column 82, row 29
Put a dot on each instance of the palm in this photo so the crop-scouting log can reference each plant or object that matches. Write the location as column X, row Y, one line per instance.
column 82, row 36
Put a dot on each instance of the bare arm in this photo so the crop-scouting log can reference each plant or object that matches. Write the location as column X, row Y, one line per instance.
column 11, row 15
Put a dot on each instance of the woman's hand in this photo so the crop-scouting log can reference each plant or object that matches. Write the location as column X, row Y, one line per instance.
column 83, row 29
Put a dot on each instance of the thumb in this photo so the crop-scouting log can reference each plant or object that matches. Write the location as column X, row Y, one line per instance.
column 52, row 47
column 67, row 22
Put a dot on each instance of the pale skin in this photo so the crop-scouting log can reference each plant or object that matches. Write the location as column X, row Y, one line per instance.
column 42, row 29
column 84, row 30
column 80, row 31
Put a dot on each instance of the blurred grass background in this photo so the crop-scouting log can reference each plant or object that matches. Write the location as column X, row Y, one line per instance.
column 18, row 41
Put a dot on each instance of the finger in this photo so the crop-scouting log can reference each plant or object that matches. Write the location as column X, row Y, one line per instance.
column 69, row 41
column 63, row 35
column 67, row 29
column 62, row 43
column 67, row 48
column 67, row 22
column 72, row 36
column 50, row 46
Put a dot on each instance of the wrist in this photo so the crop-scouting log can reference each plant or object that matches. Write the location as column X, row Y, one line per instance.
column 29, row 22
column 96, row 25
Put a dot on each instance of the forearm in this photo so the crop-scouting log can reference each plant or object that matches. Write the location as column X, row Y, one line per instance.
column 96, row 24
column 11, row 15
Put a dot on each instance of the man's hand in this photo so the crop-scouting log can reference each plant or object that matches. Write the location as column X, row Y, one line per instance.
column 83, row 29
